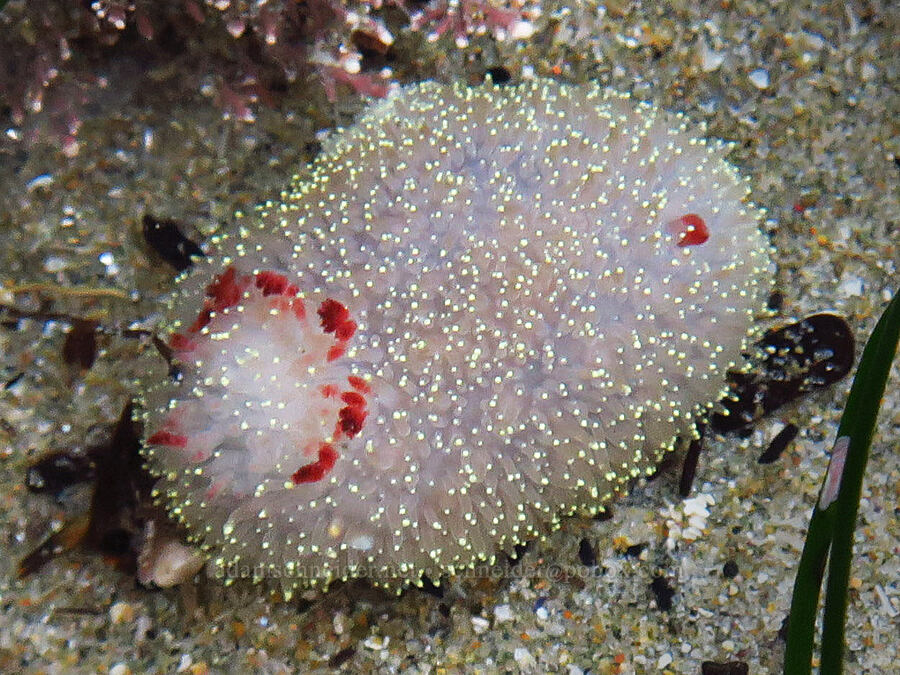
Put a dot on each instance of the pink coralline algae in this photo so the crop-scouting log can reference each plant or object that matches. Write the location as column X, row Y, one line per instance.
column 463, row 18
column 487, row 309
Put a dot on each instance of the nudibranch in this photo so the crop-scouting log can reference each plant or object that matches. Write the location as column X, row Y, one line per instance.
column 485, row 309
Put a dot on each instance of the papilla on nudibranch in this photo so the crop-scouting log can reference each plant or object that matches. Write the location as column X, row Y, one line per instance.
column 486, row 309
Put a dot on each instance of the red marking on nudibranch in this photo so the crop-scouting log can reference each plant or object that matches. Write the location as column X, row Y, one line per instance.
column 299, row 308
column 168, row 438
column 225, row 290
column 690, row 229
column 202, row 320
column 353, row 415
column 333, row 314
column 316, row 471
column 336, row 319
column 274, row 290
column 345, row 330
column 181, row 343
column 352, row 420
column 359, row 384
column 272, row 283
column 279, row 303
column 352, row 398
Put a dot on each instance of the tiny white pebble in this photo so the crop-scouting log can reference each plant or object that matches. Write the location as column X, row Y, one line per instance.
column 851, row 287
column 710, row 60
column 696, row 506
column 521, row 30
column 523, row 657
column 814, row 40
column 55, row 264
column 184, row 663
column 760, row 78
column 376, row 642
column 503, row 613
column 142, row 627
column 480, row 624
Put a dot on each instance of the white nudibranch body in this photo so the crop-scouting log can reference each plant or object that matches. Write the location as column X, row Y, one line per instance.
column 488, row 308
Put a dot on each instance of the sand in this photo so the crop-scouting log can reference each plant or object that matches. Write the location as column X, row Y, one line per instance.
column 809, row 92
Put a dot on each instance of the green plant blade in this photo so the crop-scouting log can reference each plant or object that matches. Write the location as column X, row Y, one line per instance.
column 858, row 423
column 831, row 526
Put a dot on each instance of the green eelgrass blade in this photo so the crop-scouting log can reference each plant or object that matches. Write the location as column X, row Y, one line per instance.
column 832, row 527
column 858, row 422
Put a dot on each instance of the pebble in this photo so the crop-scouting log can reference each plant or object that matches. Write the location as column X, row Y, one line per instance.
column 376, row 642
column 760, row 78
column 480, row 624
column 503, row 613
column 55, row 264
column 710, row 60
column 523, row 657
column 851, row 287
column 121, row 612
column 142, row 627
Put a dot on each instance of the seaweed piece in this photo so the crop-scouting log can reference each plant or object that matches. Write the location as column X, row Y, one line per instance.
column 812, row 353
column 119, row 505
column 165, row 237
column 691, row 459
column 778, row 444
column 80, row 346
column 663, row 592
column 59, row 469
